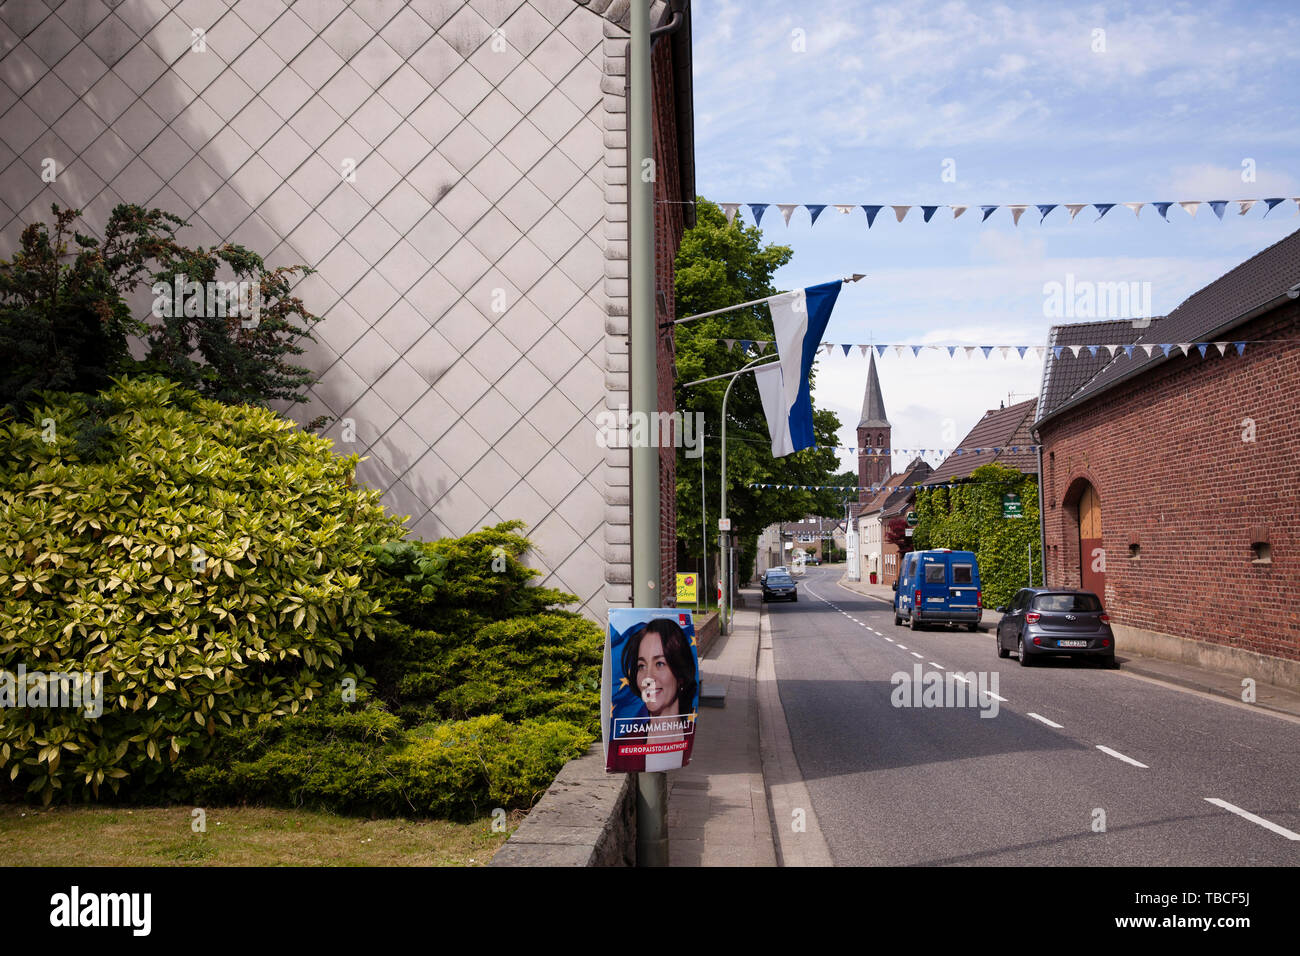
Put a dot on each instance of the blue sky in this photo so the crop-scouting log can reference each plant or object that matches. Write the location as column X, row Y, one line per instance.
column 1024, row 103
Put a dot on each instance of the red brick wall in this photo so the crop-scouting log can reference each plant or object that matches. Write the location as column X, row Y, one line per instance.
column 669, row 225
column 1166, row 456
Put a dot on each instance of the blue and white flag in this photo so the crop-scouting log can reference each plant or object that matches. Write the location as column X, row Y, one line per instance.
column 799, row 320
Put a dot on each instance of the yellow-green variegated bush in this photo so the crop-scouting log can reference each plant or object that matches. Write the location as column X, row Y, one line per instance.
column 211, row 560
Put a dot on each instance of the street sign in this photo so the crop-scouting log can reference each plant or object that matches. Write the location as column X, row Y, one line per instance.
column 912, row 519
column 724, row 524
column 907, row 532
column 1012, row 507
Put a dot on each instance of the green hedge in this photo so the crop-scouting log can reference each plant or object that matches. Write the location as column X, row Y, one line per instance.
column 365, row 762
column 969, row 518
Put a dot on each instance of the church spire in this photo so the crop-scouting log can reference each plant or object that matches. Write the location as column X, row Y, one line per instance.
column 873, row 403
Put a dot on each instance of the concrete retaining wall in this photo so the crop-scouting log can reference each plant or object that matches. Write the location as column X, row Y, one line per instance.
column 1215, row 657
column 586, row 818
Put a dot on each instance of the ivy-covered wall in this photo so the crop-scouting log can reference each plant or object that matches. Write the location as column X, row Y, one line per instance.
column 969, row 518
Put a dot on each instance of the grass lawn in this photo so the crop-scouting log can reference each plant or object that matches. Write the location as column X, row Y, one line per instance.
column 237, row 836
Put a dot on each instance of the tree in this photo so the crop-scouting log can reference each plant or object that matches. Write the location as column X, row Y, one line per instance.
column 65, row 323
column 720, row 264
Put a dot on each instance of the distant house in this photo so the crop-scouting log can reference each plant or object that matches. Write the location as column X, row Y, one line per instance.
column 457, row 173
column 1170, row 479
column 1003, row 435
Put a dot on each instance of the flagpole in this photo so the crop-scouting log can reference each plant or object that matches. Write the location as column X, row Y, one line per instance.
column 744, row 305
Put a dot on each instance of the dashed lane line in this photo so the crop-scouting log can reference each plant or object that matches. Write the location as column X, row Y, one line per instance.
column 1041, row 719
column 1247, row 815
column 1119, row 756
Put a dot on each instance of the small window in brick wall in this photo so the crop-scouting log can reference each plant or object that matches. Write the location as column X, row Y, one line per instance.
column 1260, row 551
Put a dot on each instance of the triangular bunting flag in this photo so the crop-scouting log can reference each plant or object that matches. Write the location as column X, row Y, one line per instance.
column 900, row 211
column 1245, row 205
column 1162, row 208
column 1092, row 350
column 958, row 210
column 987, row 349
column 988, row 211
column 1044, row 210
column 1149, row 349
column 1167, row 349
column 844, row 210
column 1076, row 349
column 1016, row 213
column 746, row 344
column 1128, row 351
column 758, row 208
column 862, row 350
column 1190, row 207
column 970, row 350
column 829, row 347
column 1022, row 349
column 1186, row 347
column 730, row 343
column 846, row 349
column 898, row 351
column 951, row 349
column 1222, row 347
column 814, row 212
column 1004, row 349
column 1218, row 205
column 871, row 212
column 1241, row 347
column 786, row 209
column 1270, row 203
column 916, row 350
column 1074, row 208
column 1201, row 347
column 1040, row 351
column 1136, row 207
column 927, row 212
column 730, row 209
column 880, row 350
column 1102, row 208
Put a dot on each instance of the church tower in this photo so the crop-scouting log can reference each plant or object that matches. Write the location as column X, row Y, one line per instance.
column 873, row 433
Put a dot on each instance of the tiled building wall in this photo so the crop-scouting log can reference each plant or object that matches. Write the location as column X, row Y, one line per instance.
column 1167, row 458
column 471, row 269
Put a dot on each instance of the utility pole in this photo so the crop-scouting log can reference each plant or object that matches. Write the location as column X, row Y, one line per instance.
column 652, row 788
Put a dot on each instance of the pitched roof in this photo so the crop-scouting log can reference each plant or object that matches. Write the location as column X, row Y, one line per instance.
column 896, row 494
column 873, row 403
column 1001, row 428
column 1231, row 300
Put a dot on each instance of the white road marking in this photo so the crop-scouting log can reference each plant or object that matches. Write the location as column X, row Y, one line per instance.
column 1266, row 824
column 933, row 664
column 1119, row 756
column 891, row 640
column 966, row 680
column 914, row 654
column 903, row 646
column 989, row 693
column 1050, row 723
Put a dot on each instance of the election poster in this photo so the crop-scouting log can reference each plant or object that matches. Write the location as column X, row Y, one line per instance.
column 650, row 689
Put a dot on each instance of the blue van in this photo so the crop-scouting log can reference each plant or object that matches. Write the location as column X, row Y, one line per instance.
column 939, row 586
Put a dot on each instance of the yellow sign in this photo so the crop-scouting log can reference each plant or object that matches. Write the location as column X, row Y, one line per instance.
column 687, row 589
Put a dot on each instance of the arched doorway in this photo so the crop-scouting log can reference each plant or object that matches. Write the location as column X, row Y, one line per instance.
column 1092, row 557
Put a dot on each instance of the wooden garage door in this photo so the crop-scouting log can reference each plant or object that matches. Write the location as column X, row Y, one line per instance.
column 1091, row 557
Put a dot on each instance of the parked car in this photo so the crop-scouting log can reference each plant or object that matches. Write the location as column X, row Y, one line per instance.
column 1041, row 622
column 939, row 586
column 779, row 586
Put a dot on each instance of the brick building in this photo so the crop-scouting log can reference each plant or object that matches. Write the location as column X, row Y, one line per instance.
column 876, row 553
column 1170, row 480
column 456, row 171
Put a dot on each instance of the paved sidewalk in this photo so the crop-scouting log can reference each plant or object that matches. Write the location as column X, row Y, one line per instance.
column 1216, row 683
column 717, row 805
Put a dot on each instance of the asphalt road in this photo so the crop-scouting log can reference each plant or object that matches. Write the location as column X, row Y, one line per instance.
column 943, row 785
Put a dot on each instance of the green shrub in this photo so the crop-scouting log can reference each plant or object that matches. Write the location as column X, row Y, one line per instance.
column 364, row 763
column 213, row 561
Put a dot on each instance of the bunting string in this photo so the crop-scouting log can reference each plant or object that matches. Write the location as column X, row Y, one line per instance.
column 1017, row 210
column 1111, row 350
column 846, row 488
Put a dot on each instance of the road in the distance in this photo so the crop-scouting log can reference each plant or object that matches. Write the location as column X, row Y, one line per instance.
column 944, row 786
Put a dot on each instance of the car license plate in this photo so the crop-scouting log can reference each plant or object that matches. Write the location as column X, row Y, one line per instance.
column 1071, row 643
